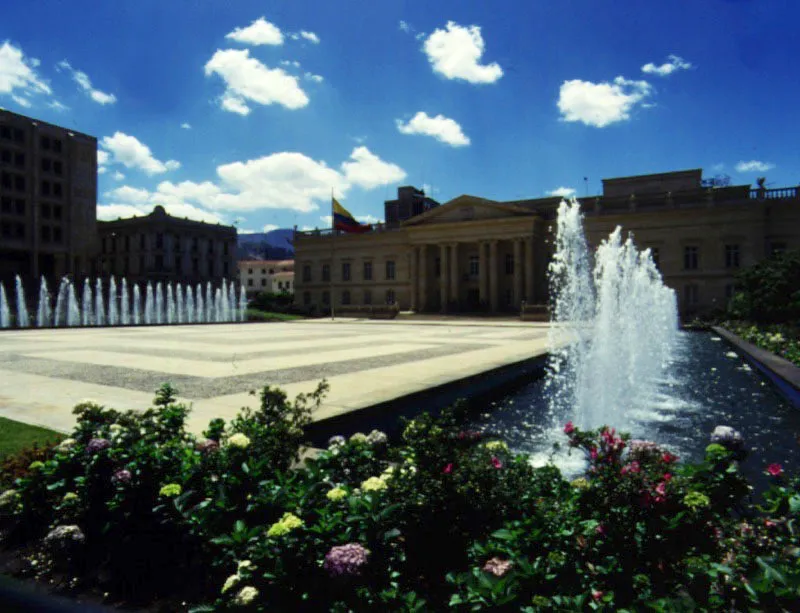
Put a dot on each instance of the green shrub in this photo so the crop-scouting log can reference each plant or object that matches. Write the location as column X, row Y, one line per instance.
column 769, row 292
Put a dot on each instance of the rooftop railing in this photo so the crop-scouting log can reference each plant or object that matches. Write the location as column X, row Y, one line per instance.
column 774, row 194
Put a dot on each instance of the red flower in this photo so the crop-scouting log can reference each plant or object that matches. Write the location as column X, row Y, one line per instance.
column 597, row 594
column 448, row 469
column 669, row 458
column 667, row 477
column 496, row 462
column 593, row 453
column 775, row 470
column 569, row 428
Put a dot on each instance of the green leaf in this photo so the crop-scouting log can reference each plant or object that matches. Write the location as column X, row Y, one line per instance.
column 245, row 468
column 504, row 535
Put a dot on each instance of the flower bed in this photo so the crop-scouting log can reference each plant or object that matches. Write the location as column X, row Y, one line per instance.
column 780, row 339
column 134, row 507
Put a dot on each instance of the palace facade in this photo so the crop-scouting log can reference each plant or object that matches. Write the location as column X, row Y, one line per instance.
column 474, row 254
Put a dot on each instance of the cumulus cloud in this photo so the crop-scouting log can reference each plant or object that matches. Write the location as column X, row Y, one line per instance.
column 310, row 36
column 247, row 79
column 754, row 166
column 260, row 32
column 456, row 53
column 18, row 76
column 442, row 128
column 314, row 77
column 564, row 192
column 601, row 104
column 667, row 68
column 118, row 176
column 367, row 170
column 85, row 84
column 186, row 126
column 132, row 153
column 103, row 157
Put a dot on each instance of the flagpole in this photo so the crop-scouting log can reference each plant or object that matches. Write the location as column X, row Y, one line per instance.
column 333, row 247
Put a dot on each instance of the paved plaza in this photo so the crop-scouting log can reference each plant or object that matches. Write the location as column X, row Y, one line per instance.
column 44, row 373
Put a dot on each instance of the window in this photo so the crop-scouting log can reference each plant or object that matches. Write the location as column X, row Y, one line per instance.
column 19, row 135
column 367, row 296
column 690, row 258
column 390, row 270
column 249, row 283
column 45, row 208
column 225, row 248
column 6, row 205
column 437, row 267
column 389, row 296
column 345, row 271
column 57, row 167
column 57, row 190
column 690, row 295
column 57, row 212
column 159, row 263
column 57, row 145
column 44, row 143
column 5, row 132
column 307, row 273
column 46, row 164
column 271, row 271
column 6, row 181
column 5, row 228
column 5, row 156
column 19, row 160
column 776, row 249
column 264, row 283
column 345, row 297
column 57, row 234
column 731, row 256
column 20, row 230
column 20, row 206
column 45, row 188
column 367, row 271
column 326, row 273
column 19, row 183
column 159, row 241
column 509, row 264
column 141, row 241
column 45, row 233
column 474, row 266
column 306, row 298
column 326, row 297
column 249, row 271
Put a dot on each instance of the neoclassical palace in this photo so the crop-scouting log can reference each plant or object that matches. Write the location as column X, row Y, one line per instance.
column 474, row 254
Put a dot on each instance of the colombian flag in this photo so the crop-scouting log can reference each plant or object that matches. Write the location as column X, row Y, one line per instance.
column 344, row 221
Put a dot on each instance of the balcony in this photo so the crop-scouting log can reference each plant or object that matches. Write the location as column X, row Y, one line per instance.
column 781, row 193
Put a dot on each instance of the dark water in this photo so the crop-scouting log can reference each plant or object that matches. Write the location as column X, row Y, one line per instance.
column 708, row 385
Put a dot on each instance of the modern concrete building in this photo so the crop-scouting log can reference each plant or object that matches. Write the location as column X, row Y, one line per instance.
column 270, row 276
column 160, row 247
column 48, row 200
column 474, row 254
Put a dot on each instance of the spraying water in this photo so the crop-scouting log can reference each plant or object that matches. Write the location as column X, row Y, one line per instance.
column 113, row 311
column 23, row 320
column 5, row 312
column 86, row 314
column 99, row 305
column 43, row 313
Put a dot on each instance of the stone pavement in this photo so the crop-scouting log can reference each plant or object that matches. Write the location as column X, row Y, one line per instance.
column 44, row 373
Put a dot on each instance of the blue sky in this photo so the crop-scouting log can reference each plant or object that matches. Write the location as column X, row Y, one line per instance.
column 251, row 112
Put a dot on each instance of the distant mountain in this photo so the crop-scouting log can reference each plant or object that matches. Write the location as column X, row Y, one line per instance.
column 272, row 245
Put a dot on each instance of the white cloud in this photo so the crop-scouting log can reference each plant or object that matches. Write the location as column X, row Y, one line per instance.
column 103, row 157
column 260, row 32
column 247, row 79
column 314, row 77
column 18, row 77
column 310, row 36
column 600, row 104
column 442, row 128
column 456, row 54
column 754, row 166
column 269, row 227
column 132, row 153
column 667, row 68
column 293, row 63
column 129, row 195
column 405, row 27
column 564, row 192
column 118, row 176
column 186, row 126
column 367, row 170
column 85, row 84
column 101, row 170
column 718, row 167
column 56, row 105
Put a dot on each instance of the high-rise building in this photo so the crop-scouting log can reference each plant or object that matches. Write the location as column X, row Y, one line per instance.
column 48, row 200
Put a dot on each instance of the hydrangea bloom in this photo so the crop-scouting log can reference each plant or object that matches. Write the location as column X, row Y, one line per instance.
column 98, row 444
column 230, row 582
column 9, row 499
column 496, row 446
column 374, row 484
column 239, row 440
column 286, row 524
column 115, row 429
column 497, row 566
column 376, row 437
column 244, row 564
column 170, row 490
column 65, row 445
column 122, row 476
column 336, row 494
column 581, row 483
column 727, row 437
column 245, row 596
column 64, row 535
column 69, row 497
column 346, row 560
column 696, row 499
column 336, row 441
column 359, row 438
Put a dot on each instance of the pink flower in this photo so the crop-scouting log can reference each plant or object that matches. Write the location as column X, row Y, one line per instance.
column 769, row 523
column 597, row 594
column 632, row 468
column 661, row 488
column 775, row 470
column 600, row 530
column 593, row 453
column 496, row 462
column 667, row 477
column 569, row 428
column 448, row 469
column 669, row 458
column 497, row 566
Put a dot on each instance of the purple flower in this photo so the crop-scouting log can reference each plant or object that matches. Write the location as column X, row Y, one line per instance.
column 122, row 476
column 97, row 444
column 727, row 437
column 346, row 560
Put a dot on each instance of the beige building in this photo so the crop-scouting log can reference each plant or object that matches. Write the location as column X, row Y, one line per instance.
column 48, row 200
column 160, row 247
column 473, row 254
column 270, row 276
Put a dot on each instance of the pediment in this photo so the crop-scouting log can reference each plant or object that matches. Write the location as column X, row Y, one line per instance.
column 467, row 208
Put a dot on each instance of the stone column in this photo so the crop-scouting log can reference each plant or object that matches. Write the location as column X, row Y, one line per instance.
column 493, row 276
column 443, row 277
column 518, row 272
column 415, row 279
column 454, row 272
column 483, row 273
column 422, row 300
column 530, row 271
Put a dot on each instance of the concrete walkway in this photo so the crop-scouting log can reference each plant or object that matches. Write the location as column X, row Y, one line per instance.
column 44, row 373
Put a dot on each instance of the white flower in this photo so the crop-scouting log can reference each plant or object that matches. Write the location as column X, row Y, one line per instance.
column 9, row 498
column 230, row 582
column 376, row 437
column 242, row 441
column 358, row 437
column 65, row 445
column 63, row 535
column 244, row 564
column 246, row 595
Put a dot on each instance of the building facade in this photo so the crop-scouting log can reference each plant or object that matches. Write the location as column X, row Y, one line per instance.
column 48, row 200
column 472, row 254
column 270, row 276
column 160, row 247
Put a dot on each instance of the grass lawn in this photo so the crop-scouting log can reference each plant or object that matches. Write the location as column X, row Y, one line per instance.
column 16, row 436
column 256, row 315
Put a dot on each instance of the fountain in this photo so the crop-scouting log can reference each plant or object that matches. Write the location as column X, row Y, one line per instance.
column 164, row 303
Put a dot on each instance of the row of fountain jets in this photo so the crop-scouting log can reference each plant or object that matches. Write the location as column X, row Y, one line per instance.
column 122, row 304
